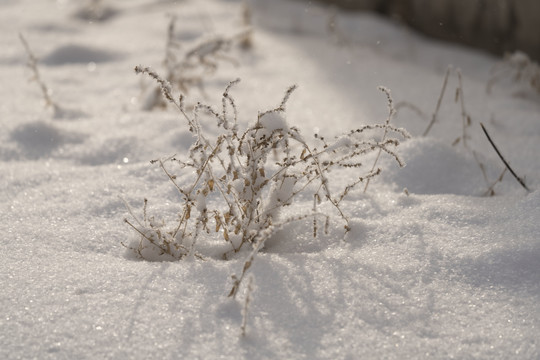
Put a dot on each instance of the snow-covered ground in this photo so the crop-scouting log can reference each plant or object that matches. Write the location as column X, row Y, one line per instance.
column 441, row 272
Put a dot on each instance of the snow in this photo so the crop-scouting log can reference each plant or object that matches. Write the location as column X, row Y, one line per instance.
column 438, row 271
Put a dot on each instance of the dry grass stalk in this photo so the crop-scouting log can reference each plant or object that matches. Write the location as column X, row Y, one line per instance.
column 415, row 109
column 188, row 69
column 391, row 113
column 491, row 189
column 466, row 124
column 519, row 68
column 95, row 10
column 520, row 180
column 466, row 120
column 246, row 41
column 32, row 63
column 244, row 178
column 441, row 95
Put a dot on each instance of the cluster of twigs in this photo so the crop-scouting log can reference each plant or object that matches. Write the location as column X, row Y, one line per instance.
column 519, row 68
column 95, row 10
column 467, row 123
column 244, row 178
column 187, row 68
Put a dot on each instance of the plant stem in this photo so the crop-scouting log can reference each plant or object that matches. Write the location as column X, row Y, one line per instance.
column 522, row 183
column 434, row 116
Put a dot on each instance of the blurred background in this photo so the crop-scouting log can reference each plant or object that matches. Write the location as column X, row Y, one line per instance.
column 497, row 26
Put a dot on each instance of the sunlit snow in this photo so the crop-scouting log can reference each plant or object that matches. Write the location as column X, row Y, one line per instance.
column 431, row 268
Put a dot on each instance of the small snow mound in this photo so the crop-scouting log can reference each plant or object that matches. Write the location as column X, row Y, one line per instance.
column 77, row 54
column 274, row 120
column 434, row 167
column 510, row 267
column 38, row 139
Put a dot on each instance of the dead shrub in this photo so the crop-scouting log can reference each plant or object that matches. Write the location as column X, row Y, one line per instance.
column 244, row 178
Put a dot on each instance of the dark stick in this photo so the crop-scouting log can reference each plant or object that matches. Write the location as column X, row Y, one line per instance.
column 503, row 160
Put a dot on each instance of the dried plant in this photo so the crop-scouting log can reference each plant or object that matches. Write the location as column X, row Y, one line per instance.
column 465, row 117
column 391, row 113
column 466, row 121
column 466, row 124
column 246, row 41
column 95, row 10
column 506, row 164
column 32, row 64
column 439, row 101
column 519, row 68
column 186, row 69
column 334, row 30
column 244, row 178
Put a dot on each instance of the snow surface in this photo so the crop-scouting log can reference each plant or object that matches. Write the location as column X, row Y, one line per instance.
column 440, row 273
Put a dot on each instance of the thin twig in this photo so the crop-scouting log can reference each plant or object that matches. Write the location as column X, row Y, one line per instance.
column 522, row 183
column 412, row 107
column 434, row 116
column 391, row 113
column 490, row 191
column 32, row 65
column 464, row 116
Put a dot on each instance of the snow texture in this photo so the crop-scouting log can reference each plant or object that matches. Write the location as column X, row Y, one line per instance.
column 437, row 271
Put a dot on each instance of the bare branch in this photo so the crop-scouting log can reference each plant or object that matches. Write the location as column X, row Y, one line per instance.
column 521, row 182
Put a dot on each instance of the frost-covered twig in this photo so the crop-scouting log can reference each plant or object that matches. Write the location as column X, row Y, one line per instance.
column 391, row 113
column 252, row 174
column 187, row 67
